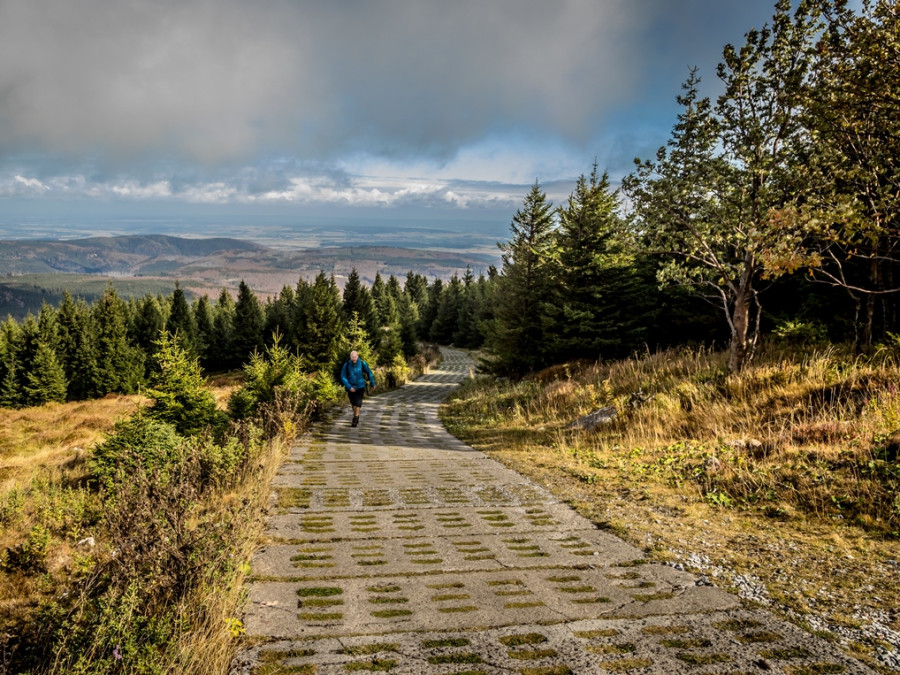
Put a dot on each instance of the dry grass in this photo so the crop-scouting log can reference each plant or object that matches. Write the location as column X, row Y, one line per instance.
column 46, row 504
column 787, row 472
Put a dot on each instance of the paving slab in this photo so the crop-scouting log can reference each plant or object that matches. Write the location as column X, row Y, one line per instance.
column 343, row 557
column 408, row 520
column 393, row 547
column 735, row 641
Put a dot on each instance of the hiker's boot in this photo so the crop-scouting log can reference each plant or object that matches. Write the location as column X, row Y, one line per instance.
column 355, row 421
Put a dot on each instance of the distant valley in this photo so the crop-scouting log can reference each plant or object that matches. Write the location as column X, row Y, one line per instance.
column 33, row 271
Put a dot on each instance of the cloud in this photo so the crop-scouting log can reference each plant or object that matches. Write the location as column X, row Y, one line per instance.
column 213, row 81
column 255, row 187
column 388, row 103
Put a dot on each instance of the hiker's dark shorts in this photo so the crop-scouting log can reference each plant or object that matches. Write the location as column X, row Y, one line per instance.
column 356, row 397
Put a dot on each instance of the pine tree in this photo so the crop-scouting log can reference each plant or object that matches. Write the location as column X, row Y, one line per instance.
column 409, row 319
column 10, row 342
column 467, row 334
column 204, row 319
column 390, row 342
column 76, row 348
column 447, row 318
column 221, row 346
column 524, row 288
column 120, row 367
column 358, row 341
column 45, row 381
column 299, row 312
column 180, row 322
column 10, row 392
column 416, row 287
column 428, row 312
column 278, row 313
column 324, row 324
column 596, row 311
column 146, row 326
column 179, row 391
column 357, row 298
column 248, row 325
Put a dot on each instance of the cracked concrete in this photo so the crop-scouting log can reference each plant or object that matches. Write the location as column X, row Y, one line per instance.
column 397, row 548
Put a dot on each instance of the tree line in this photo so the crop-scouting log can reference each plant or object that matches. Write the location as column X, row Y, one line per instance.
column 77, row 351
column 777, row 203
column 772, row 208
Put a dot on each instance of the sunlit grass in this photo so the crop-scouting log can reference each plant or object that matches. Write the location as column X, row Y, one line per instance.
column 787, row 471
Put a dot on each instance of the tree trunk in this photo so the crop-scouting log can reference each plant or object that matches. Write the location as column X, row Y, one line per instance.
column 740, row 322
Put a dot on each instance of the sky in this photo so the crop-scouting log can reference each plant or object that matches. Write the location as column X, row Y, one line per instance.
column 183, row 112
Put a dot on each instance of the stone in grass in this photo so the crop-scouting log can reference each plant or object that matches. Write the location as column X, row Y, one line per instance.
column 595, row 419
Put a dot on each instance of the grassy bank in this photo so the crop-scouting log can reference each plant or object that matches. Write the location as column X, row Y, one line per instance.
column 782, row 481
column 146, row 579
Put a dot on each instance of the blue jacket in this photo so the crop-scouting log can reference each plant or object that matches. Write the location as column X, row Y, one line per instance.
column 353, row 376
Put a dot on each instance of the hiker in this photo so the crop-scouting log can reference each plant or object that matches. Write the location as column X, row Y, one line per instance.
column 353, row 375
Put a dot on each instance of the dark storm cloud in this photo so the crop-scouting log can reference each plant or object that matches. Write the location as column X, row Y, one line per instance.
column 210, row 81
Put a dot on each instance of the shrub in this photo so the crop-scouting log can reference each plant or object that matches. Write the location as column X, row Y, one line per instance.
column 31, row 555
column 180, row 395
column 800, row 333
column 137, row 443
column 277, row 373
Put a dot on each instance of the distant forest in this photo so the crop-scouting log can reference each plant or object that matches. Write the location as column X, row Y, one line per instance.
column 772, row 210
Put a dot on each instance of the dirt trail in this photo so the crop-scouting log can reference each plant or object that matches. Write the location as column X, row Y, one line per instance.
column 397, row 548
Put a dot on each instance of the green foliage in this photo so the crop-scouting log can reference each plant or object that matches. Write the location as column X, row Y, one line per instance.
column 120, row 366
column 31, row 555
column 181, row 323
column 247, row 326
column 357, row 299
column 597, row 310
column 137, row 444
column 800, row 333
column 320, row 335
column 524, row 289
column 46, row 381
column 76, row 348
column 179, row 392
column 276, row 371
column 219, row 460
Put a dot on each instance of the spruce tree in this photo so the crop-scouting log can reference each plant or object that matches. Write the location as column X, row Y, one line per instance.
column 221, row 345
column 278, row 313
column 357, row 298
column 299, row 312
column 596, row 310
column 409, row 319
column 524, row 288
column 428, row 312
column 416, row 287
column 179, row 391
column 467, row 334
column 180, row 322
column 248, row 326
column 45, row 381
column 204, row 319
column 29, row 339
column 390, row 342
column 447, row 317
column 10, row 342
column 324, row 324
column 120, row 367
column 76, row 348
column 358, row 340
column 147, row 324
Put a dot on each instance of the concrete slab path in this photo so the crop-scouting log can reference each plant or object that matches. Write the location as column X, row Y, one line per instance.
column 397, row 548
